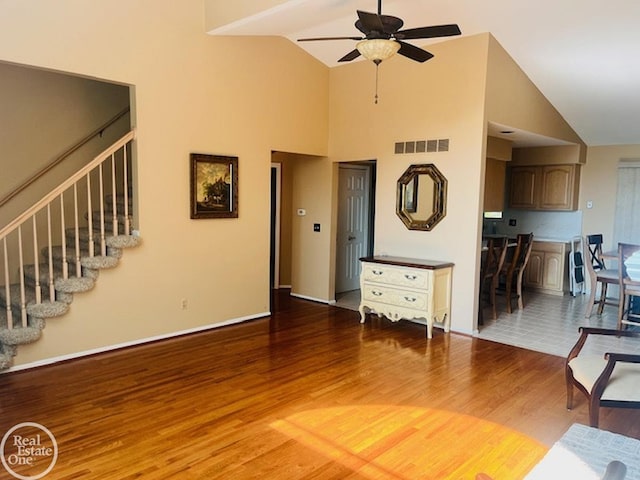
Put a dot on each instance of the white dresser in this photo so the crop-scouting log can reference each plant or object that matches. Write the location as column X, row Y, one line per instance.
column 407, row 288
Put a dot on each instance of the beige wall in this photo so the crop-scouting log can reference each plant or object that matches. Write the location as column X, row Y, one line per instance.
column 551, row 155
column 513, row 100
column 442, row 98
column 193, row 93
column 471, row 81
column 43, row 115
column 598, row 184
column 312, row 253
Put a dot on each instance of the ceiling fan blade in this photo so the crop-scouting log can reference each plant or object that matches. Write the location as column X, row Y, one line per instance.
column 413, row 52
column 429, row 32
column 381, row 24
column 369, row 22
column 328, row 38
column 352, row 55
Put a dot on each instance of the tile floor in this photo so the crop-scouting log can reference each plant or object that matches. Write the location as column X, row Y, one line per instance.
column 548, row 324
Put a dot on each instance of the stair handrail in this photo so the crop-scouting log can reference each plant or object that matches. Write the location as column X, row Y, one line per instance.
column 62, row 157
column 66, row 184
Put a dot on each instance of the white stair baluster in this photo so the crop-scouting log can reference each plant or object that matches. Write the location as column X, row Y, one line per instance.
column 125, row 163
column 63, row 223
column 103, row 241
column 77, row 229
column 113, row 195
column 36, row 263
column 7, row 285
column 23, row 296
column 52, row 290
column 90, row 215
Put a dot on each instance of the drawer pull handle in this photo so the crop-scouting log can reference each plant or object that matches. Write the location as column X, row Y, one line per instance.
column 376, row 272
column 410, row 299
column 410, row 277
column 376, row 293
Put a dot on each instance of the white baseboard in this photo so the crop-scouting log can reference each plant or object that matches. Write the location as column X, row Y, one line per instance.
column 319, row 300
column 142, row 341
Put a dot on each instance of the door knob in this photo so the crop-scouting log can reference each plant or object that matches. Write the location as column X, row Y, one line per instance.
column 351, row 237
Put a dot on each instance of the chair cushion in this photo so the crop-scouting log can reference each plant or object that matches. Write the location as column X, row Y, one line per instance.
column 624, row 383
column 608, row 276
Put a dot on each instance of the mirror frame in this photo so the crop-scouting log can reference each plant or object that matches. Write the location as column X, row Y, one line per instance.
column 439, row 197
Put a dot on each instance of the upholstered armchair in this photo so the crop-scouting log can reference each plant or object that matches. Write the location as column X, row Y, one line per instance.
column 609, row 379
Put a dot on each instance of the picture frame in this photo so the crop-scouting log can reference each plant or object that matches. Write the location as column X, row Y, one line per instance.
column 214, row 186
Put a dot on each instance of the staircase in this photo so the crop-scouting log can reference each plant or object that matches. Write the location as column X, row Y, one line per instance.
column 53, row 251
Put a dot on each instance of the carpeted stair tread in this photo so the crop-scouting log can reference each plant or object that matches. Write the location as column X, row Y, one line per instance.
column 15, row 293
column 100, row 262
column 113, row 241
column 43, row 270
column 123, row 241
column 44, row 309
column 18, row 335
column 105, row 260
column 47, row 309
column 5, row 361
column 74, row 284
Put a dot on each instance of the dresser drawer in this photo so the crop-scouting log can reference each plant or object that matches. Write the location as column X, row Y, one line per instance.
column 398, row 276
column 395, row 296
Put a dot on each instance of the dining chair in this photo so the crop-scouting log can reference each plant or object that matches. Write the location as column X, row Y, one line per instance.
column 489, row 275
column 629, row 286
column 598, row 273
column 513, row 271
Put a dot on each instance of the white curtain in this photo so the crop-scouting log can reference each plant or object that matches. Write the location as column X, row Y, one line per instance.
column 626, row 227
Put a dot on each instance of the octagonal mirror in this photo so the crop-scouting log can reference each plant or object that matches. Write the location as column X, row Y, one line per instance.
column 421, row 198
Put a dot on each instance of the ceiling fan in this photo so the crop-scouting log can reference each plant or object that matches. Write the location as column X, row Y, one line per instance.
column 383, row 37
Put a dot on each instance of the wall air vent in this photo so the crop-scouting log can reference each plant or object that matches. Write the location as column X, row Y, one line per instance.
column 421, row 146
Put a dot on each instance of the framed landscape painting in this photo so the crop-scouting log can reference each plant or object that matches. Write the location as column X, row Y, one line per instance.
column 214, row 186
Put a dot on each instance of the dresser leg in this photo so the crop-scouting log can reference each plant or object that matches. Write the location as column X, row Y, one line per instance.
column 429, row 329
column 362, row 314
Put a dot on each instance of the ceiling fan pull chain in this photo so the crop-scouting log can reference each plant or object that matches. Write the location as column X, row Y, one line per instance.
column 377, row 64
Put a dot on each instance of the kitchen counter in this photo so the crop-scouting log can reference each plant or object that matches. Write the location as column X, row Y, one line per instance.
column 553, row 239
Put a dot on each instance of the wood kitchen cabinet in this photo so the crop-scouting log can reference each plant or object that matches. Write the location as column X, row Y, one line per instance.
column 547, row 269
column 544, row 187
column 494, row 182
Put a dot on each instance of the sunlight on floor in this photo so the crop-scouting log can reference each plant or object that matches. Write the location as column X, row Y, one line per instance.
column 400, row 442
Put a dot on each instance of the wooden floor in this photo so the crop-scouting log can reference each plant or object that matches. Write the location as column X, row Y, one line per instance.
column 308, row 393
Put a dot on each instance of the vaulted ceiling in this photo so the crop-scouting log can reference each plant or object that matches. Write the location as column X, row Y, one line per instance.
column 583, row 55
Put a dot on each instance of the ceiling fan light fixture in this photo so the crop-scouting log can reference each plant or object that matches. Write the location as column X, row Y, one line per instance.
column 378, row 49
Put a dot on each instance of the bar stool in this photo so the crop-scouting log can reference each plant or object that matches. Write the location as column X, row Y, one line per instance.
column 598, row 274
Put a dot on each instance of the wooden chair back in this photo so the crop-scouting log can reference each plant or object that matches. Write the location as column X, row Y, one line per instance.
column 628, row 286
column 593, row 247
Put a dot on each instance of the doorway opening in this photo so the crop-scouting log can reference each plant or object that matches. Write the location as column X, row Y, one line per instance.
column 355, row 229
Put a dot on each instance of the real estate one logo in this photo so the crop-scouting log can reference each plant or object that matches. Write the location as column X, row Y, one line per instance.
column 28, row 451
